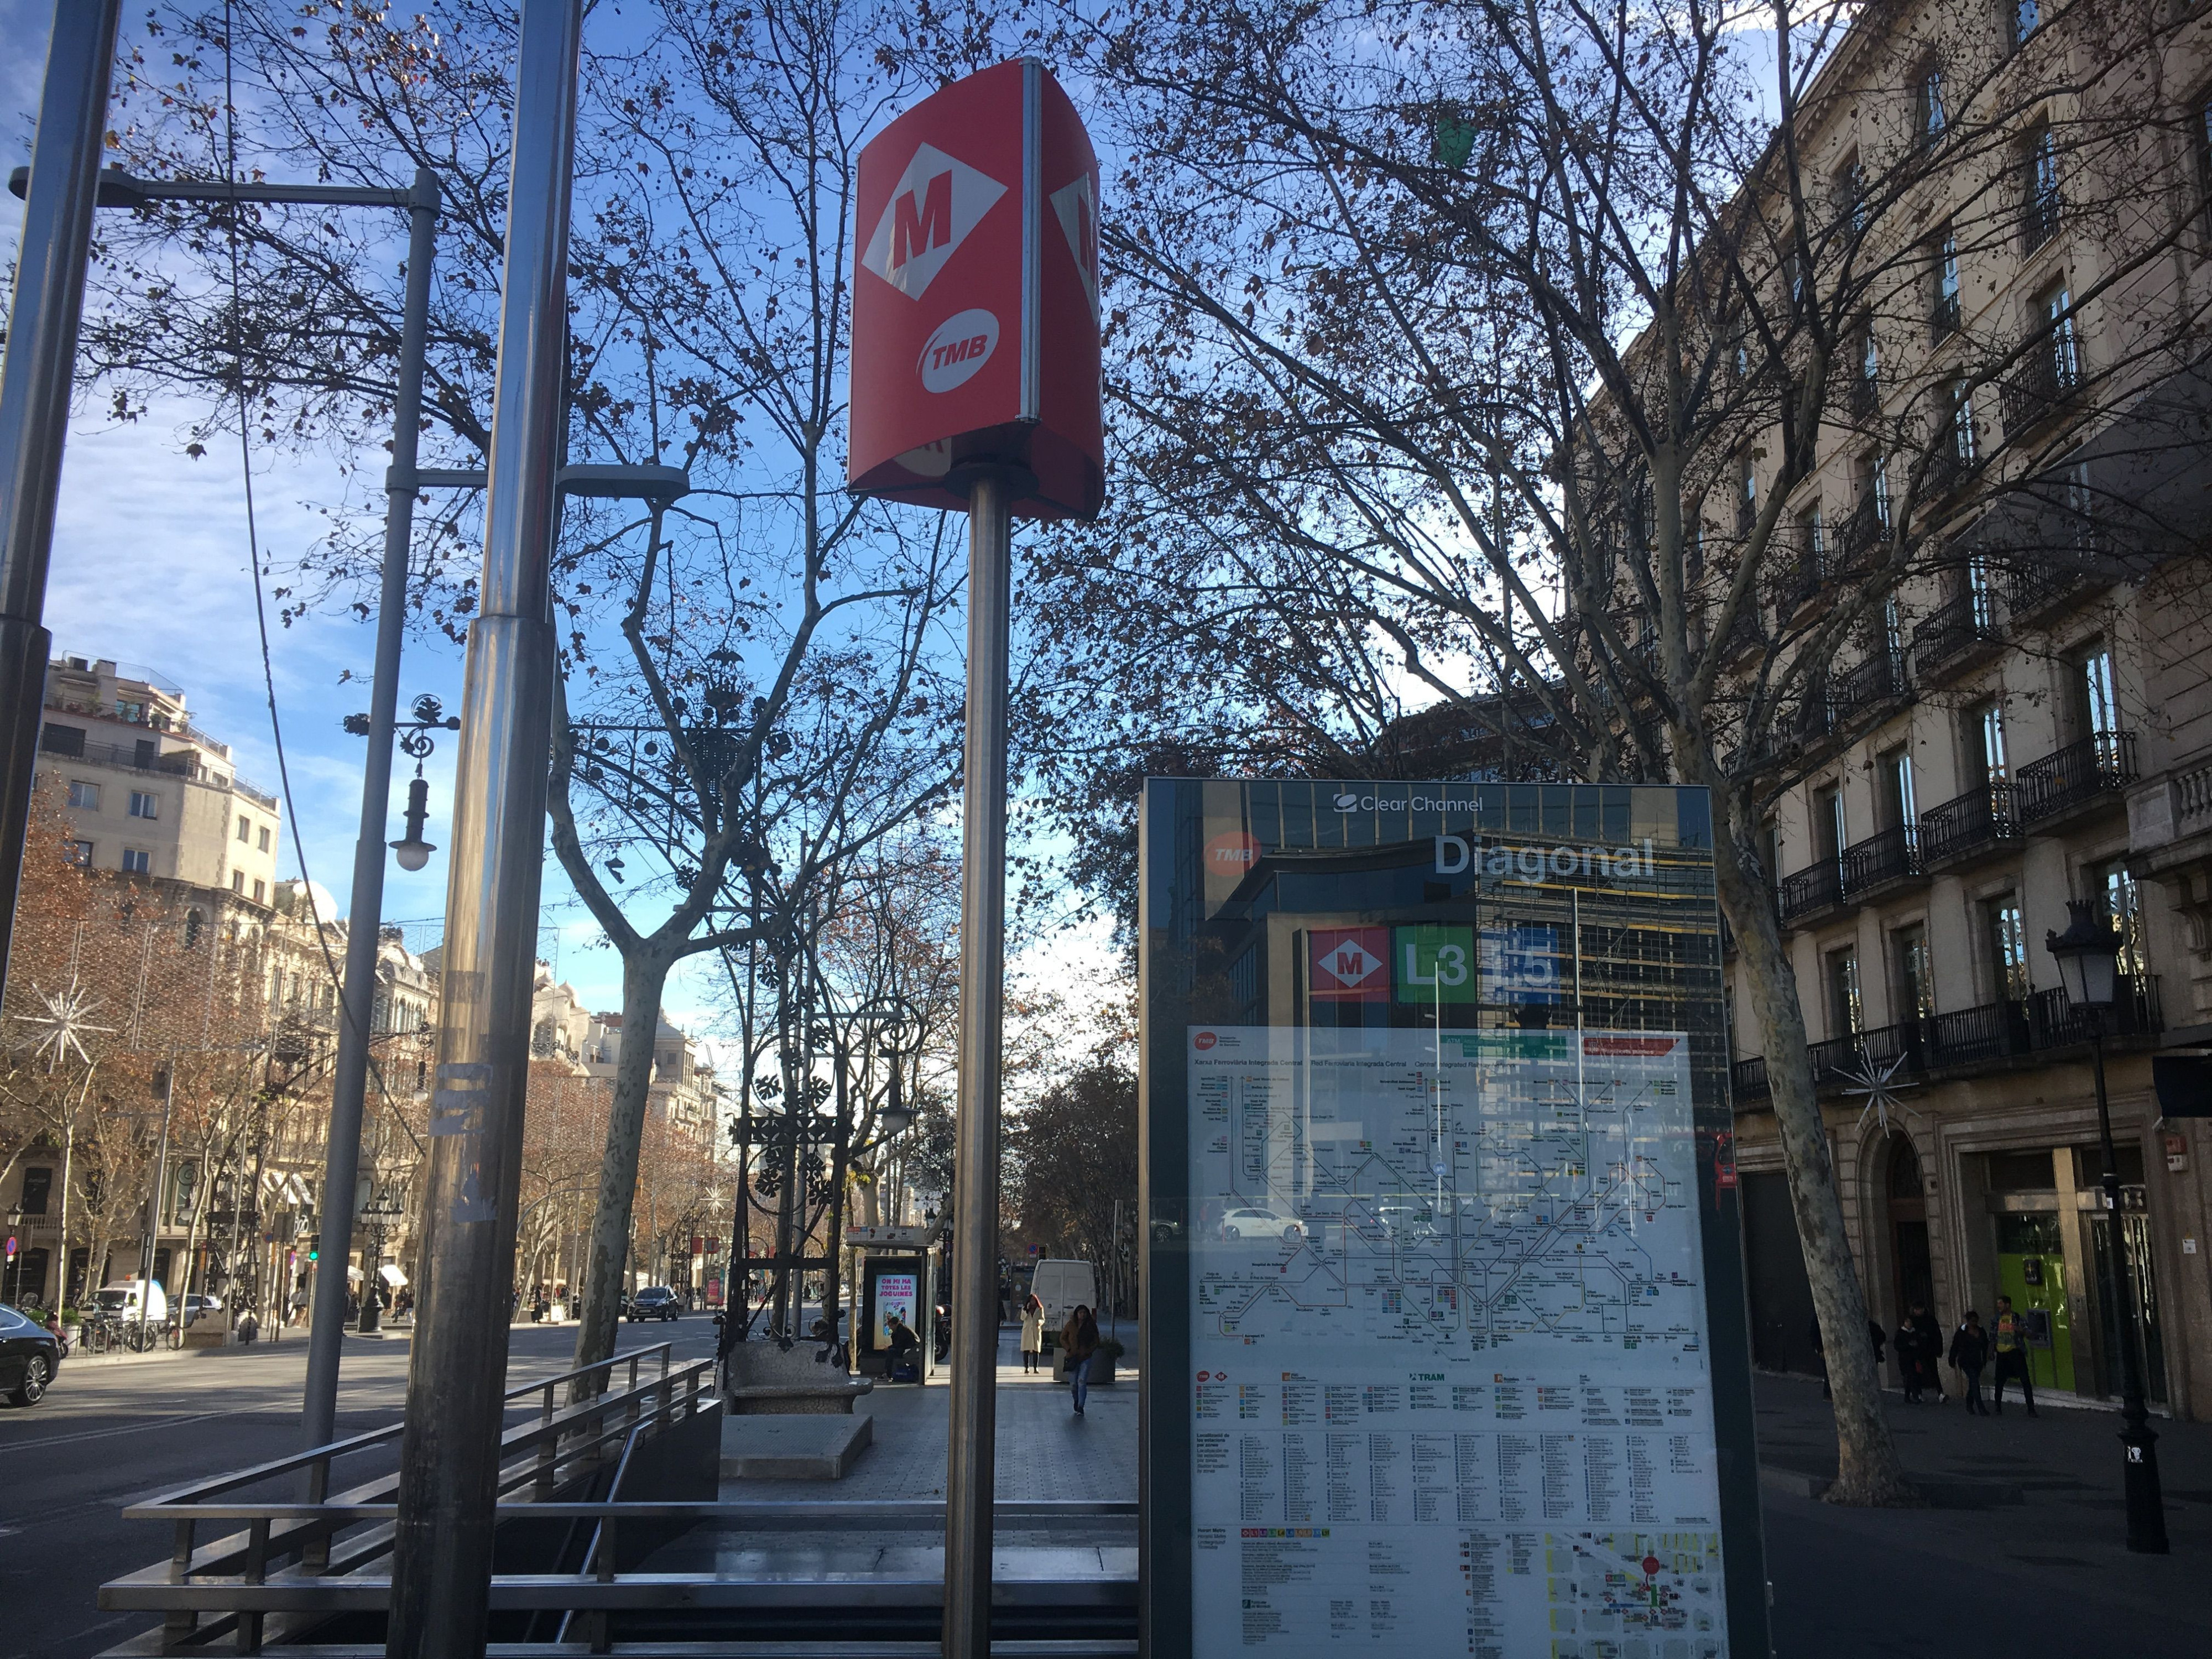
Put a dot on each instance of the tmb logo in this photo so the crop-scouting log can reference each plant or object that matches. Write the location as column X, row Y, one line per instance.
column 935, row 203
column 963, row 343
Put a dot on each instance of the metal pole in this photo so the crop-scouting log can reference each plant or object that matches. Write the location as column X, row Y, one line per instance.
column 349, row 1082
column 154, row 1206
column 968, row 1481
column 449, row 1449
column 2146, row 1504
column 34, row 394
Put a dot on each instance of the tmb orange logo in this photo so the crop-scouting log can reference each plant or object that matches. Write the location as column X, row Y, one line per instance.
column 1233, row 854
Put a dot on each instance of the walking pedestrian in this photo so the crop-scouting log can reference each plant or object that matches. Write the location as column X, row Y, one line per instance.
column 1032, row 1332
column 1079, row 1336
column 1969, row 1352
column 2008, row 1341
column 1908, row 1359
column 1931, row 1349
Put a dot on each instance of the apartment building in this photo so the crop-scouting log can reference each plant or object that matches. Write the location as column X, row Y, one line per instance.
column 682, row 1093
column 2027, row 717
column 148, row 794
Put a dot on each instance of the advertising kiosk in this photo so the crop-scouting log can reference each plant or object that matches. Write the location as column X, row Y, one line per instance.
column 1445, row 1333
column 897, row 1276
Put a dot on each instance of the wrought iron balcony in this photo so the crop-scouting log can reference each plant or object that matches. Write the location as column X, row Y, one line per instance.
column 1943, row 320
column 2054, row 1023
column 1955, row 632
column 1891, row 855
column 1977, row 820
column 1817, row 888
column 2037, row 585
column 1873, row 684
column 2092, row 769
column 1862, row 397
column 1859, row 539
column 1979, row 1036
column 1748, row 1079
column 2040, row 222
column 2046, row 383
column 1949, row 469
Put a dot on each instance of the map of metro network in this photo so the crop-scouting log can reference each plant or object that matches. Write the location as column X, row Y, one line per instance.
column 1508, row 1195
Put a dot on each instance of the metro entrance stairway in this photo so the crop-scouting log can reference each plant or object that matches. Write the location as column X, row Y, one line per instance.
column 616, row 1536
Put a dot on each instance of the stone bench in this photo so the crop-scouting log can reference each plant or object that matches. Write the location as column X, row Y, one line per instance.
column 765, row 1379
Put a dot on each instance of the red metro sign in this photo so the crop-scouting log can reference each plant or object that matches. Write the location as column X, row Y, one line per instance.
column 975, row 298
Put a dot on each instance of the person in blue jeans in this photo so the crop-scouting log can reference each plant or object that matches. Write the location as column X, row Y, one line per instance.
column 1079, row 1336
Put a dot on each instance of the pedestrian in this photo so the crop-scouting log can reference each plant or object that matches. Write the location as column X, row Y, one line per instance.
column 1079, row 1336
column 1931, row 1348
column 1032, row 1332
column 1908, row 1360
column 2009, row 1342
column 1969, row 1352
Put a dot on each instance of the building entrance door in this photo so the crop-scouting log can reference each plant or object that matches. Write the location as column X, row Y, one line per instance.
column 2032, row 1271
column 1913, row 1278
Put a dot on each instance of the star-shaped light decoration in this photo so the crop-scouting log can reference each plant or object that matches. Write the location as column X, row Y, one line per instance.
column 67, row 1021
column 1876, row 1080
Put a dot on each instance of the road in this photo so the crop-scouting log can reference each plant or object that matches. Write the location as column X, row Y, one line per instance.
column 109, row 1434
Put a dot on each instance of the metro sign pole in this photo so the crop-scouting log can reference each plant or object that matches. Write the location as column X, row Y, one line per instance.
column 975, row 386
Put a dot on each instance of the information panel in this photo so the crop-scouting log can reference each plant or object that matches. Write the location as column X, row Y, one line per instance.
column 1436, row 1362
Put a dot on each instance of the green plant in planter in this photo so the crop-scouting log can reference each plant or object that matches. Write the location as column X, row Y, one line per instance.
column 1110, row 1347
column 71, row 1316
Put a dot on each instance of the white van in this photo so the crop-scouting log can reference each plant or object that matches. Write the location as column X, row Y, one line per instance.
column 123, row 1298
column 1063, row 1286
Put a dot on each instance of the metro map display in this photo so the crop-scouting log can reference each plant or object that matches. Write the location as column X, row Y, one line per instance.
column 1436, row 1366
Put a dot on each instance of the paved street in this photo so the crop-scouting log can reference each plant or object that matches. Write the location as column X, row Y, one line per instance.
column 111, row 1433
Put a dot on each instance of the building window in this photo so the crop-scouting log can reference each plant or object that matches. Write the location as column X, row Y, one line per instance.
column 2096, row 703
column 145, row 805
column 136, row 861
column 1846, row 1011
column 260, row 892
column 1944, row 317
column 2027, row 17
column 1877, row 475
column 133, row 713
column 1828, row 837
column 78, row 853
column 2044, row 200
column 2004, row 933
column 1916, row 981
column 62, row 740
column 245, row 827
column 1852, row 194
column 85, row 795
column 238, row 881
column 2112, row 882
column 265, row 837
column 37, row 1184
column 1901, row 806
column 1929, row 118
column 193, row 923
column 1963, row 447
column 1985, row 741
column 2056, row 314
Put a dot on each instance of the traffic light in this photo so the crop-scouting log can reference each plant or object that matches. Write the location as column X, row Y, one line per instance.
column 313, row 1250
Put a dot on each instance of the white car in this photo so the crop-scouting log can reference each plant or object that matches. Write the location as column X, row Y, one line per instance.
column 1260, row 1223
column 196, row 1304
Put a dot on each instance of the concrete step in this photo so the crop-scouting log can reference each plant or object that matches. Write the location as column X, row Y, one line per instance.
column 819, row 1446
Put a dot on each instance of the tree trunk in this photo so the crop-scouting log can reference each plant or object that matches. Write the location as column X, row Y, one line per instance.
column 1868, row 1471
column 644, row 975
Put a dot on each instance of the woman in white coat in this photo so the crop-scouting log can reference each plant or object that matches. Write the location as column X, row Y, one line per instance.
column 1032, row 1332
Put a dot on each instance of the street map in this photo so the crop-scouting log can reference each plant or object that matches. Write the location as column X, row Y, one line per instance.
column 1447, row 1330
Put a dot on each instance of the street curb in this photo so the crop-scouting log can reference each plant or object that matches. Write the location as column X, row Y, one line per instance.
column 78, row 1357
column 1936, row 1494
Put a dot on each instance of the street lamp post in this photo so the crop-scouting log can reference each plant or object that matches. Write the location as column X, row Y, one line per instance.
column 2088, row 955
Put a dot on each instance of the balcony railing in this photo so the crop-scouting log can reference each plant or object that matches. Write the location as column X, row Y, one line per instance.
column 1891, row 855
column 2047, row 380
column 1950, row 467
column 1991, row 1035
column 1943, row 320
column 68, row 743
column 1978, row 819
column 1818, row 887
column 2094, row 767
column 1859, row 539
column 1862, row 397
column 1954, row 630
column 2040, row 222
column 1879, row 680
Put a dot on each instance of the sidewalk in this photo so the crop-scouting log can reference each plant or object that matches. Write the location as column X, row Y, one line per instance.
column 2026, row 1545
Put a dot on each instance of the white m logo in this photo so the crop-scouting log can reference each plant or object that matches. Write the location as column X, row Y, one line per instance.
column 935, row 203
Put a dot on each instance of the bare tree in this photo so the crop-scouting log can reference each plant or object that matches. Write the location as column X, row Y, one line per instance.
column 1481, row 350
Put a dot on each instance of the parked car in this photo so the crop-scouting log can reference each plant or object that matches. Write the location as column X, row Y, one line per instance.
column 1260, row 1223
column 29, row 1358
column 196, row 1304
column 121, row 1300
column 654, row 1301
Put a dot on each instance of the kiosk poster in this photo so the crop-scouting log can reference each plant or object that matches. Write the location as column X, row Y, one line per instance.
column 1435, row 1249
column 895, row 1299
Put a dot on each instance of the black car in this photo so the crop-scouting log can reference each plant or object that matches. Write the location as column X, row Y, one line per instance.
column 29, row 1357
column 654, row 1301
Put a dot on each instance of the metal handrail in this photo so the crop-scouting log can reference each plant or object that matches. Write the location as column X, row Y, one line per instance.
column 327, row 1453
column 840, row 1511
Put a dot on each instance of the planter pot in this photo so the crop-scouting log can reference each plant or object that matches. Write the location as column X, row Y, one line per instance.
column 1101, row 1371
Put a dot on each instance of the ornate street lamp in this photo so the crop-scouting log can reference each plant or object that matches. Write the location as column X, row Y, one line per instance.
column 2088, row 966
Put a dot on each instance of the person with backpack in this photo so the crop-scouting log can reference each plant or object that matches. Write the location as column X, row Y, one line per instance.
column 1969, row 1352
